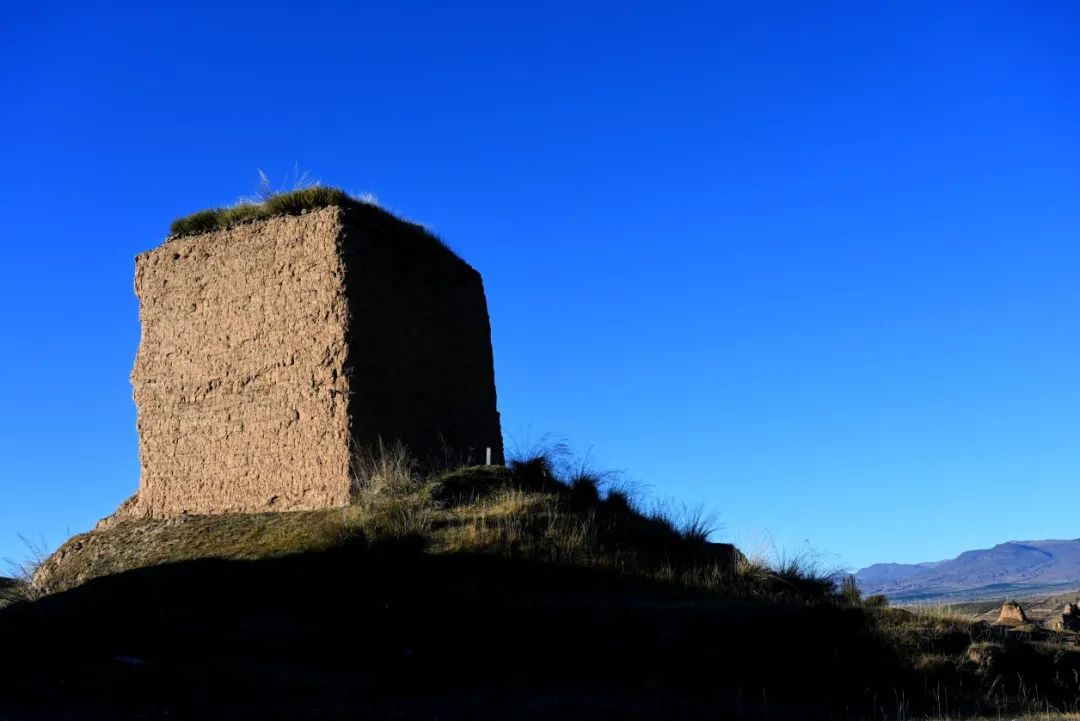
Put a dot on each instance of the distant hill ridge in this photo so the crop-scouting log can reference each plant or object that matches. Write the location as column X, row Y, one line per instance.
column 1015, row 568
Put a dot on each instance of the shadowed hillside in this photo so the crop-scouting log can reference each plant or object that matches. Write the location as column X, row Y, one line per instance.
column 483, row 593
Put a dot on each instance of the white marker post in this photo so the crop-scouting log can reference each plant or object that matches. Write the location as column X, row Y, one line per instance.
column 488, row 456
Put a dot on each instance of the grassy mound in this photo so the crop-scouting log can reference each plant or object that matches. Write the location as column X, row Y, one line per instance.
column 522, row 592
column 523, row 512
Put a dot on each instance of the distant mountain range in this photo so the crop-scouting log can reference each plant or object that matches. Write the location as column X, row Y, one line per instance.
column 1013, row 569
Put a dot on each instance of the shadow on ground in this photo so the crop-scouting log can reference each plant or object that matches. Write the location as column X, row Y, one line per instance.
column 388, row 630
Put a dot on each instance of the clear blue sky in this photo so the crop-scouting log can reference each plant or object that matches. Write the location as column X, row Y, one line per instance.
column 817, row 270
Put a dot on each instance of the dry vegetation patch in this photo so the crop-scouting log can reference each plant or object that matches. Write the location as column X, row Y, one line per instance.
column 527, row 511
column 291, row 202
column 571, row 552
column 149, row 542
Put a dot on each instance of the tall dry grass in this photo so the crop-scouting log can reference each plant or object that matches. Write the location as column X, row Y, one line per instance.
column 383, row 469
column 20, row 585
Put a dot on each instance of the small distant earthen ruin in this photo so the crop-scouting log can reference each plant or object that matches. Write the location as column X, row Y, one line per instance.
column 274, row 350
column 1012, row 613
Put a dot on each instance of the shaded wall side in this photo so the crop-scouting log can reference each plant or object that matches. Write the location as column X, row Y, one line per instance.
column 239, row 377
column 420, row 361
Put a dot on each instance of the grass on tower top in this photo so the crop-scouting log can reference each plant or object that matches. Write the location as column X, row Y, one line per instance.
column 292, row 202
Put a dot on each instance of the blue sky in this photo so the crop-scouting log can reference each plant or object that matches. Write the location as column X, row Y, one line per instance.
column 814, row 269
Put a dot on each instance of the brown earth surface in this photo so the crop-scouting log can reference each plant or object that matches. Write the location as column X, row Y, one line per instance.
column 273, row 350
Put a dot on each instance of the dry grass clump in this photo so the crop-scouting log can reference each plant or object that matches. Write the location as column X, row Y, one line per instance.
column 548, row 529
column 398, row 518
column 389, row 491
column 796, row 577
column 20, row 585
column 294, row 202
column 516, row 523
column 383, row 469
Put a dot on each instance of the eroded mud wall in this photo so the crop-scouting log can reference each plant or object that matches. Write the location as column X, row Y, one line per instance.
column 239, row 376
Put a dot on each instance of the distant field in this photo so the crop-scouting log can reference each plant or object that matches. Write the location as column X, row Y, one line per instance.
column 1048, row 716
column 996, row 593
column 1038, row 608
